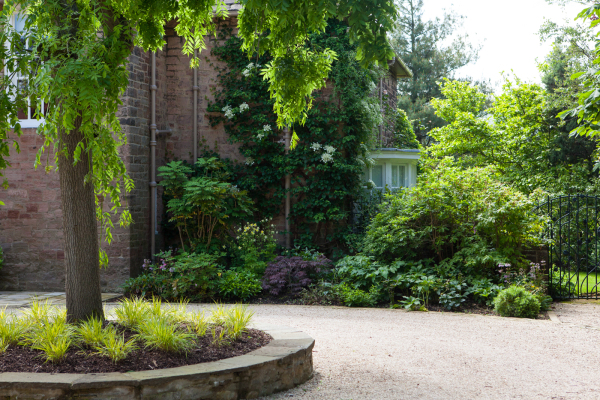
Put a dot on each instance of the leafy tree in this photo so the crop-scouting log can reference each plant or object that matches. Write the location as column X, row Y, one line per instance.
column 426, row 49
column 571, row 52
column 517, row 135
column 585, row 83
column 81, row 50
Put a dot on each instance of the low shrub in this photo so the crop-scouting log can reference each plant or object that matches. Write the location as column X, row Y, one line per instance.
column 545, row 301
column 353, row 297
column 516, row 301
column 254, row 247
column 182, row 276
column 292, row 274
column 239, row 285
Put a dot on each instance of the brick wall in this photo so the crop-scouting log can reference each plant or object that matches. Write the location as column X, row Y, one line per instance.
column 31, row 232
column 30, row 223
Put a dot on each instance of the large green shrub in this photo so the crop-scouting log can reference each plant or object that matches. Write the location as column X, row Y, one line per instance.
column 465, row 220
column 517, row 302
column 202, row 203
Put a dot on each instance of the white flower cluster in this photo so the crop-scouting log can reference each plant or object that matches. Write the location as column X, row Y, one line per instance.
column 266, row 129
column 228, row 112
column 248, row 70
column 327, row 156
column 249, row 161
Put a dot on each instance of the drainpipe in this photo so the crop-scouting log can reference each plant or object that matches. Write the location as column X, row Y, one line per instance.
column 153, row 193
column 381, row 108
column 288, row 180
column 196, row 89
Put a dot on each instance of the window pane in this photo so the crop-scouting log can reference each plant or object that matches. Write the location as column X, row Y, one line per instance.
column 19, row 22
column 377, row 175
column 401, row 176
column 395, row 176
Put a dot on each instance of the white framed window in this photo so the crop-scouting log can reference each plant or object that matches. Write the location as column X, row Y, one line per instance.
column 27, row 117
column 388, row 174
column 398, row 176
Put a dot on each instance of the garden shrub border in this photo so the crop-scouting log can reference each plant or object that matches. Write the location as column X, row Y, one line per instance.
column 281, row 365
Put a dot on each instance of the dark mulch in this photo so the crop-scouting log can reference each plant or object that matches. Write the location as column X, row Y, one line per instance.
column 23, row 359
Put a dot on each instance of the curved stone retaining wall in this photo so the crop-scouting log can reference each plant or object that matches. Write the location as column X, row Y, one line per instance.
column 282, row 364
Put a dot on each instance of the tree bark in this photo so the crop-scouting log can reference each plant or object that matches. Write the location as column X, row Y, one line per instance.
column 84, row 299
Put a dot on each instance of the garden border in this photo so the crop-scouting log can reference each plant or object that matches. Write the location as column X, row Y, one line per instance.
column 280, row 365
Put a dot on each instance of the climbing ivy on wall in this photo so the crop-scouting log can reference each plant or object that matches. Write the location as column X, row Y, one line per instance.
column 327, row 162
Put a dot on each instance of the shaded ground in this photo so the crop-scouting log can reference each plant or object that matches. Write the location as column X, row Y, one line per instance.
column 393, row 354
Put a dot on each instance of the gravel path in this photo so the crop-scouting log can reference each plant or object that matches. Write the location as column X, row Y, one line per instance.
column 392, row 354
column 579, row 312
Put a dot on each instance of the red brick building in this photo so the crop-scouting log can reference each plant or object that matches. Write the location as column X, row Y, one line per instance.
column 31, row 221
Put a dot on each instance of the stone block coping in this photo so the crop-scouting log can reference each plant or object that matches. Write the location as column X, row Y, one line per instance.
column 281, row 365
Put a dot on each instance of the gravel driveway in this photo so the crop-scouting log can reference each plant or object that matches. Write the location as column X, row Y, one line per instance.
column 393, row 354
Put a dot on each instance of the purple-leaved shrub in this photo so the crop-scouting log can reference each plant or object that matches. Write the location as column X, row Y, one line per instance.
column 292, row 274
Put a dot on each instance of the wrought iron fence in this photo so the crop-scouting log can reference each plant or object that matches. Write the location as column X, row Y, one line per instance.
column 573, row 227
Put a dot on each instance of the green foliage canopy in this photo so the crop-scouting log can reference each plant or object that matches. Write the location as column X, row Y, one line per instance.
column 327, row 162
column 519, row 135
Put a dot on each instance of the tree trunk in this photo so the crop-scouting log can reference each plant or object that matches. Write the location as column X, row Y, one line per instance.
column 84, row 299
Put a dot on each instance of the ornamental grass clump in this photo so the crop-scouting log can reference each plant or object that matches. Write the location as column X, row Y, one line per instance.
column 199, row 323
column 12, row 330
column 42, row 312
column 54, row 338
column 161, row 333
column 237, row 320
column 90, row 332
column 132, row 312
column 516, row 302
column 114, row 345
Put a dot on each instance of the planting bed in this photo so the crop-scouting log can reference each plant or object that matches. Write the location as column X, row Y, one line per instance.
column 285, row 362
column 84, row 360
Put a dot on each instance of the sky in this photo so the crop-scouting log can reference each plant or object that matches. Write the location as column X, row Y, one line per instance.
column 507, row 30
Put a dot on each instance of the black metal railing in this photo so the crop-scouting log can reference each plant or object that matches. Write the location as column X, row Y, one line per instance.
column 573, row 228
